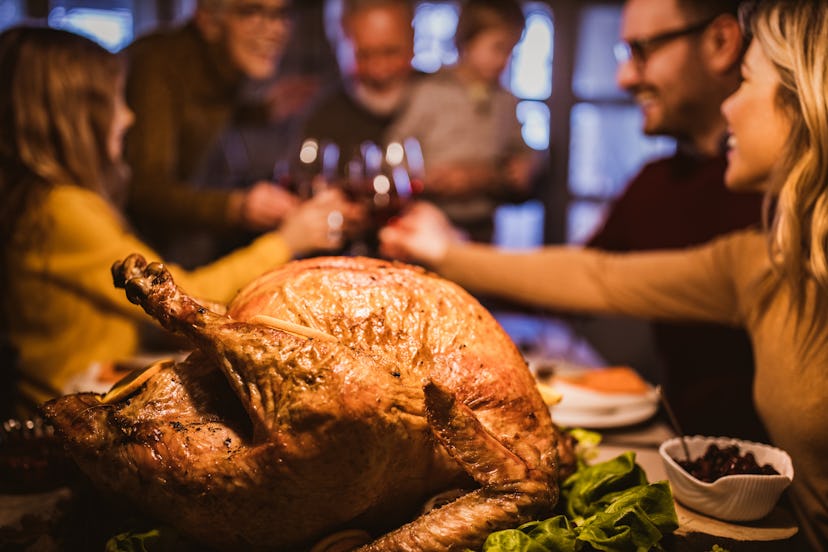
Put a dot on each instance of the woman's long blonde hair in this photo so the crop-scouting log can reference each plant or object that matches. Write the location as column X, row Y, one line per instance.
column 793, row 36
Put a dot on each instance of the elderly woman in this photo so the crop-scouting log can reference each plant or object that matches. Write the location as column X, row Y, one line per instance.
column 773, row 282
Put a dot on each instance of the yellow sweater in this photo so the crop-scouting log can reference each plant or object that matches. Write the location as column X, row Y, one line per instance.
column 717, row 282
column 68, row 313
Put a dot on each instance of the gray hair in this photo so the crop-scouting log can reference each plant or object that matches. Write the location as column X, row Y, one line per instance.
column 351, row 7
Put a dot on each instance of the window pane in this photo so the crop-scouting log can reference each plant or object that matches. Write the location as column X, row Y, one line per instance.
column 595, row 65
column 519, row 226
column 11, row 11
column 534, row 120
column 531, row 66
column 185, row 9
column 583, row 219
column 607, row 148
column 112, row 29
column 434, row 25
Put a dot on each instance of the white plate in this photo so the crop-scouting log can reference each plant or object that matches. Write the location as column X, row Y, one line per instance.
column 582, row 407
column 578, row 397
column 603, row 419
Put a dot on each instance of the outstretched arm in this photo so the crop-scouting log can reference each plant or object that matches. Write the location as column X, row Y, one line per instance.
column 692, row 284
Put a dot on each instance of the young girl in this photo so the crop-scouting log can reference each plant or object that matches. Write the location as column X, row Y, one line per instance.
column 466, row 123
column 772, row 282
column 61, row 180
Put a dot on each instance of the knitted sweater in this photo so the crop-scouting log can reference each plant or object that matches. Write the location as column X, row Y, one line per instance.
column 67, row 312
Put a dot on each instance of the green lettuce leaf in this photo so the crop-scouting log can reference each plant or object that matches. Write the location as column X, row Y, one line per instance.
column 586, row 447
column 132, row 541
column 512, row 540
column 655, row 500
column 556, row 533
column 159, row 539
column 626, row 530
column 615, row 510
column 583, row 490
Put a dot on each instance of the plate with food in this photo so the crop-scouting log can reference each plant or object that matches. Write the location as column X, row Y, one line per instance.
column 598, row 398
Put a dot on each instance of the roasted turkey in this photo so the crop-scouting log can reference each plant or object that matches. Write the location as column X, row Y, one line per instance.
column 334, row 394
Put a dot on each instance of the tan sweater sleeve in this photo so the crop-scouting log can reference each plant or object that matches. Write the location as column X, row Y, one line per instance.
column 694, row 284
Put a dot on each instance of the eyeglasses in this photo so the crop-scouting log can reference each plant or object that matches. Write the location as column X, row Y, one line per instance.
column 255, row 11
column 638, row 50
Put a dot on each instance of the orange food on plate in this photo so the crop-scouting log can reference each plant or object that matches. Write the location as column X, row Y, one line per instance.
column 612, row 379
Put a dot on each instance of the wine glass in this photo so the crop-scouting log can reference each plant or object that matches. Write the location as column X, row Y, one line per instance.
column 405, row 169
column 379, row 177
column 315, row 158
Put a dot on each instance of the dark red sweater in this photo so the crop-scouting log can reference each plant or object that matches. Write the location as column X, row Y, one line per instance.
column 707, row 369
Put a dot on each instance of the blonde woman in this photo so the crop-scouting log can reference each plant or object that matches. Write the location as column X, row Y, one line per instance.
column 772, row 282
column 62, row 119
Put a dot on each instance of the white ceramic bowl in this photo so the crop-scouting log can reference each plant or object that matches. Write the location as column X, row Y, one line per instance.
column 732, row 497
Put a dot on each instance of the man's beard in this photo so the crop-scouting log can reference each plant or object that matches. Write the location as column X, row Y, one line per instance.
column 382, row 102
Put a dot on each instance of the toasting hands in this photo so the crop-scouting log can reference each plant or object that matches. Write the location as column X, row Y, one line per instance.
column 263, row 206
column 422, row 234
column 322, row 222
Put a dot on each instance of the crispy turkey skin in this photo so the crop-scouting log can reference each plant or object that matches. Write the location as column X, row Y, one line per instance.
column 262, row 438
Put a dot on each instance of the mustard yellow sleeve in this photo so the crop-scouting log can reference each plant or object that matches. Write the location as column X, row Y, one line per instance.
column 222, row 279
column 88, row 235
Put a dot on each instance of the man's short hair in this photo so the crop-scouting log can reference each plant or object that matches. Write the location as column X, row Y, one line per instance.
column 708, row 9
column 477, row 16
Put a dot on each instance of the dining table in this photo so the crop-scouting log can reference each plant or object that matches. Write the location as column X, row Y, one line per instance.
column 696, row 531
column 40, row 502
column 551, row 343
column 28, row 517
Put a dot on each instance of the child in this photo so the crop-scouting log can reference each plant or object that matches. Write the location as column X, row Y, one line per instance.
column 466, row 122
column 61, row 181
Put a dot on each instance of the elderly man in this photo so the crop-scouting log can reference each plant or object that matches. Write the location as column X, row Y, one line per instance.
column 199, row 93
column 680, row 59
column 375, row 83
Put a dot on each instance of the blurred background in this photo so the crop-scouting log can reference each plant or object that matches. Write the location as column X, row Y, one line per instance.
column 563, row 70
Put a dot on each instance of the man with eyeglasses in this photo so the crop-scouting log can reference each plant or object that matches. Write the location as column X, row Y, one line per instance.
column 211, row 122
column 679, row 59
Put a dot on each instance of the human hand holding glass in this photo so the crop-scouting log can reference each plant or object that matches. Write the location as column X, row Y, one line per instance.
column 315, row 167
column 421, row 234
column 265, row 204
column 384, row 179
column 321, row 223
